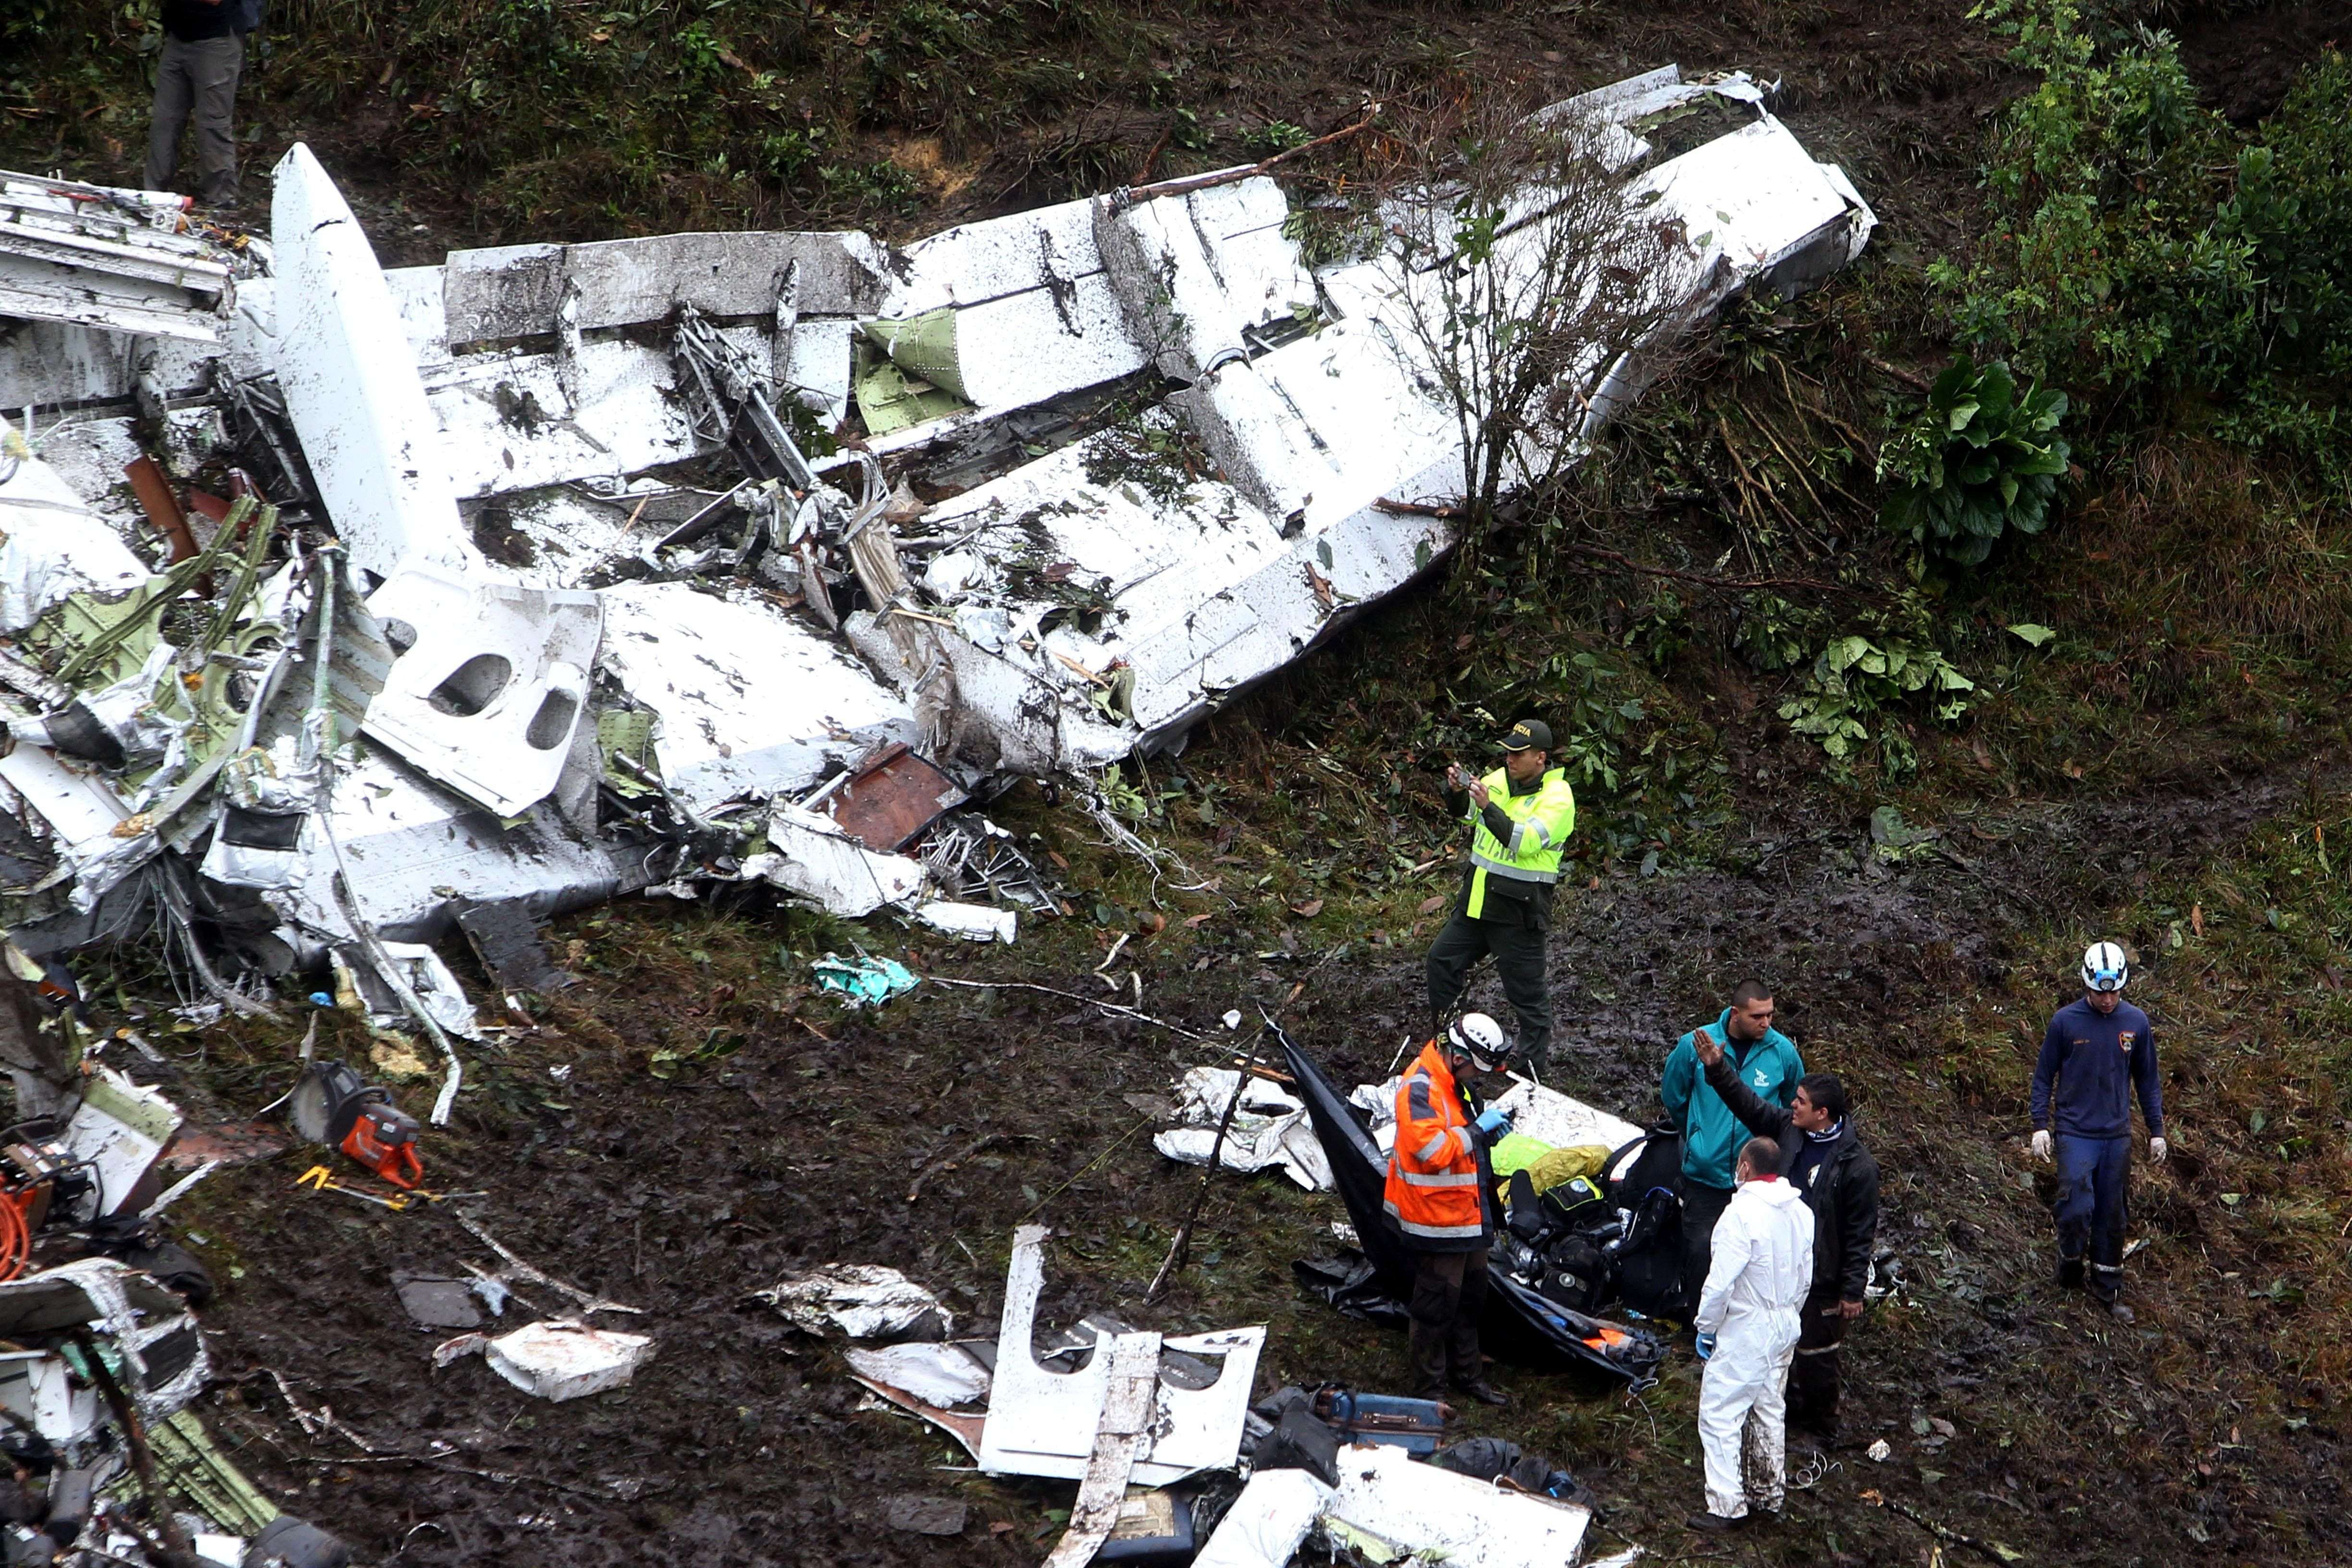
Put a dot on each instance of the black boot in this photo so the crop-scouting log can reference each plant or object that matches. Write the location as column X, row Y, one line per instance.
column 2069, row 1272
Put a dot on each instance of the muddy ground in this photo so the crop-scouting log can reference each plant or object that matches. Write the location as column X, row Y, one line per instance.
column 2076, row 1440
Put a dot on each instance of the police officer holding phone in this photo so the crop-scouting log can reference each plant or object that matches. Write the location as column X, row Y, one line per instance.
column 1520, row 816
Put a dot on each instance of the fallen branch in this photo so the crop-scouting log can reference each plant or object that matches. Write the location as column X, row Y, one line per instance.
column 1187, row 184
column 1124, row 1011
column 1734, row 584
column 1910, row 378
column 938, row 1167
column 1626, row 563
column 1993, row 1549
column 586, row 1302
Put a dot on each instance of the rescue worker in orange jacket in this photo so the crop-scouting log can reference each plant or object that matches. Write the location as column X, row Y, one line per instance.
column 1437, row 1193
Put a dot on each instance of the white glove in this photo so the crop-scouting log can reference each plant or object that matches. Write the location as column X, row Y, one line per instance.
column 2157, row 1149
column 2041, row 1145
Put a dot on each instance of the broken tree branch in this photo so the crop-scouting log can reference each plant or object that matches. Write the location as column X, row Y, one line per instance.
column 587, row 1303
column 1125, row 1012
column 2004, row 1555
column 1188, row 184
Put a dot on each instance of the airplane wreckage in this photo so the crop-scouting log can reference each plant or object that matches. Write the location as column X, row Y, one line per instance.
column 525, row 586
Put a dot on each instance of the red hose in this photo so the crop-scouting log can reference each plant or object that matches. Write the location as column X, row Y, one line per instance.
column 16, row 1239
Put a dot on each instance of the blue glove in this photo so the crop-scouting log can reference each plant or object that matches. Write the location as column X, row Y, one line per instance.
column 1705, row 1346
column 1494, row 1121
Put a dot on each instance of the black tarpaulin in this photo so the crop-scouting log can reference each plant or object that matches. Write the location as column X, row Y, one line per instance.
column 1517, row 1316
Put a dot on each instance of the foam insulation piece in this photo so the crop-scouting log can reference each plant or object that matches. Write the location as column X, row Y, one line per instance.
column 560, row 1361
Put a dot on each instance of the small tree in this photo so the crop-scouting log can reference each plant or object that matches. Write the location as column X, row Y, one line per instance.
column 1540, row 283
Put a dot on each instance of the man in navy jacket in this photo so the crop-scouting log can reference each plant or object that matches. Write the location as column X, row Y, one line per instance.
column 2095, row 1054
column 196, row 76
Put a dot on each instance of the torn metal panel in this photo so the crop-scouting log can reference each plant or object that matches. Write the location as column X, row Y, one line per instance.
column 1043, row 1423
column 1195, row 273
column 810, row 855
column 1119, row 1437
column 751, row 701
column 52, row 545
column 1046, row 248
column 162, row 1352
column 94, row 256
column 509, row 940
column 1418, row 1509
column 412, row 848
column 350, row 385
column 886, row 800
column 515, row 291
column 121, row 1128
column 487, row 697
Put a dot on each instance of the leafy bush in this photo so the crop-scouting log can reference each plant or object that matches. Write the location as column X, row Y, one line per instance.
column 2138, row 242
column 1854, row 681
column 1979, row 461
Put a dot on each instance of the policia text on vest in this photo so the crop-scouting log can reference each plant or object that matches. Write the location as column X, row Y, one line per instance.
column 1520, row 816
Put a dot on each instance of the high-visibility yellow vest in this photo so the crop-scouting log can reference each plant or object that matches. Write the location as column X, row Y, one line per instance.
column 1541, row 822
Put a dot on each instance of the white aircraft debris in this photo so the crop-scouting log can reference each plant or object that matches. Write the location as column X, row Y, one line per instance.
column 558, row 570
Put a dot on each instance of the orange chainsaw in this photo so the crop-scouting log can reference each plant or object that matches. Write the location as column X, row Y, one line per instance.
column 330, row 1105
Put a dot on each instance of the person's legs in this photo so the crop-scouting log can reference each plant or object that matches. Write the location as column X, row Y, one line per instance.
column 175, row 92
column 2111, row 1186
column 1764, row 1450
column 1461, row 942
column 217, row 64
column 1437, row 1302
column 1462, row 1339
column 1519, row 964
column 1725, row 1398
column 2078, row 1160
column 1702, row 1206
column 1813, row 1372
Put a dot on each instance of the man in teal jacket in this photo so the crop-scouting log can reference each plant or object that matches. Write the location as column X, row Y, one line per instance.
column 1768, row 1062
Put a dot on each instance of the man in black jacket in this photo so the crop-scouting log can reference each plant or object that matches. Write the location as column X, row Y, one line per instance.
column 1822, row 1157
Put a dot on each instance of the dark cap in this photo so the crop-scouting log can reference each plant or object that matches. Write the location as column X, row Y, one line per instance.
column 1528, row 735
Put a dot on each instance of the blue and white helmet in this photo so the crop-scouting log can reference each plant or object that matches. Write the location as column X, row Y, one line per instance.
column 2104, row 967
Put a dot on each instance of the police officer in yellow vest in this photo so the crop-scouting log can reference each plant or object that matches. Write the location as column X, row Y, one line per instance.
column 1521, row 815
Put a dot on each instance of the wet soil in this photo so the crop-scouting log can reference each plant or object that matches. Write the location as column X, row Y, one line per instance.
column 743, row 1442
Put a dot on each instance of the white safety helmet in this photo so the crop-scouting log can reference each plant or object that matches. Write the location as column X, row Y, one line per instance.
column 2104, row 967
column 1479, row 1037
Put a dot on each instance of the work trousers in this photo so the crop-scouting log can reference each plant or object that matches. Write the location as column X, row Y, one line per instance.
column 1518, row 952
column 1702, row 1206
column 1449, row 1292
column 1741, row 1412
column 2094, row 1184
column 1814, row 1376
column 198, row 75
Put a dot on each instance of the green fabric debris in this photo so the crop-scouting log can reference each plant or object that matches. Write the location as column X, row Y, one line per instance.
column 862, row 982
column 907, row 371
column 1514, row 1151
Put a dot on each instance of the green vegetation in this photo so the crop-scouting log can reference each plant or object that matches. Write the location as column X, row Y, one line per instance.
column 2139, row 246
column 1980, row 461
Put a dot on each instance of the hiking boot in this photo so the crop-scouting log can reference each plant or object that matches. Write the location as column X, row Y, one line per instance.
column 2118, row 1311
column 1479, row 1389
column 1715, row 1523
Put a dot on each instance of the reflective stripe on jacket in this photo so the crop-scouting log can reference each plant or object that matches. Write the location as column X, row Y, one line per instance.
column 1541, row 823
column 1433, row 1185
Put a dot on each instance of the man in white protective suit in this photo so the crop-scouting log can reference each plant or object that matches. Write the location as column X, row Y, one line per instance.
column 1748, row 1321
